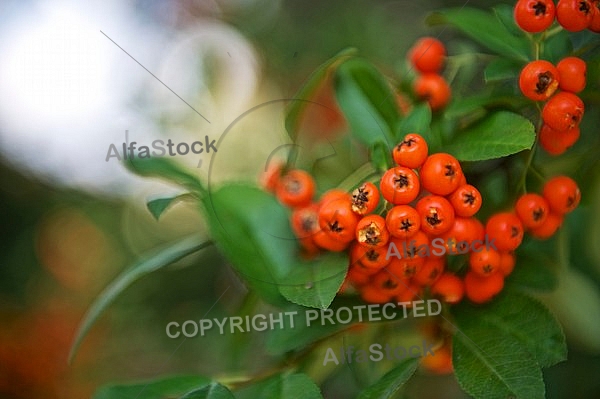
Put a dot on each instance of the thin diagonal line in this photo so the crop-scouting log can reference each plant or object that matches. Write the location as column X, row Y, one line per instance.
column 163, row 83
column 437, row 37
column 179, row 346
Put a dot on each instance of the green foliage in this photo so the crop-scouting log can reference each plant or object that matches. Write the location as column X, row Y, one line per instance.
column 284, row 385
column 367, row 101
column 166, row 169
column 150, row 263
column 251, row 228
column 301, row 100
column 392, row 381
column 485, row 28
column 156, row 389
column 214, row 390
column 314, row 284
column 500, row 134
column 158, row 206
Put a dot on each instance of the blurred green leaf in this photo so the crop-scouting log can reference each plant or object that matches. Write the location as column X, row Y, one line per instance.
column 367, row 101
column 252, row 229
column 212, row 391
column 533, row 273
column 557, row 47
column 282, row 386
column 293, row 112
column 418, row 121
column 486, row 29
column 498, row 135
column 158, row 206
column 392, row 381
column 155, row 389
column 489, row 364
column 314, row 284
column 166, row 169
column 524, row 318
column 505, row 14
column 151, row 262
column 501, row 69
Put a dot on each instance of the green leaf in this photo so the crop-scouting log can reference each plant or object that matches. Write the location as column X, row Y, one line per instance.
column 501, row 69
column 293, row 112
column 212, row 391
column 555, row 47
column 314, row 284
column 158, row 206
column 489, row 364
column 484, row 28
column 524, row 318
column 505, row 14
column 252, row 229
column 282, row 386
column 392, row 381
column 156, row 389
column 368, row 104
column 151, row 262
column 166, row 169
column 533, row 274
column 498, row 135
column 418, row 121
column 288, row 338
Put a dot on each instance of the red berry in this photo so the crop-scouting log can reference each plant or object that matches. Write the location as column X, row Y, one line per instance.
column 427, row 55
column 434, row 89
column 562, row 194
column 555, row 142
column 296, row 188
column 411, row 151
column 532, row 209
column 563, row 111
column 534, row 15
column 574, row 15
column 441, row 174
column 436, row 213
column 539, row 80
column 365, row 198
column 505, row 230
column 399, row 185
column 572, row 72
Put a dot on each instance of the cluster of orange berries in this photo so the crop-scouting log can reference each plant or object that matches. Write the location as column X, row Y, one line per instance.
column 539, row 81
column 398, row 248
column 535, row 16
column 427, row 57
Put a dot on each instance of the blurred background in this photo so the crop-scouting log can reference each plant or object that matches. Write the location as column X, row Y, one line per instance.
column 71, row 84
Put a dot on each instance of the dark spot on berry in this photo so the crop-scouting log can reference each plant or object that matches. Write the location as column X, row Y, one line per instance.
column 335, row 227
column 389, row 284
column 544, row 81
column 401, row 181
column 372, row 255
column 469, row 198
column 449, row 170
column 406, row 225
column 433, row 219
column 539, row 8
column 538, row 214
column 407, row 143
column 584, row 7
column 570, row 201
column 487, row 269
column 514, row 231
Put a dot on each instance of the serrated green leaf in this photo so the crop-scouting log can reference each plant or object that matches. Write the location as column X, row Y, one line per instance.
column 314, row 284
column 166, row 169
column 151, row 262
column 155, row 389
column 489, row 364
column 294, row 110
column 214, row 390
column 158, row 206
column 288, row 386
column 252, row 230
column 368, row 104
column 498, row 135
column 524, row 318
column 484, row 28
column 392, row 381
column 501, row 69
